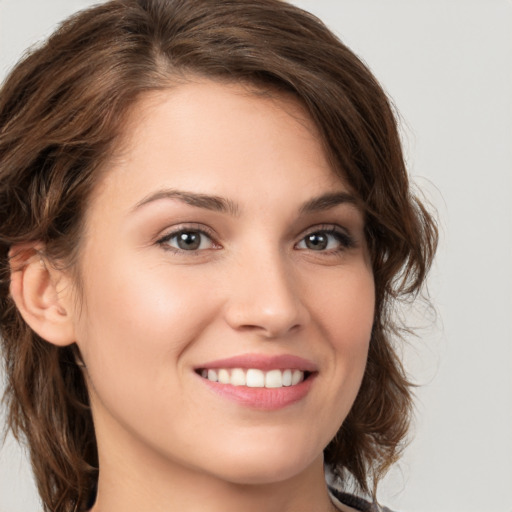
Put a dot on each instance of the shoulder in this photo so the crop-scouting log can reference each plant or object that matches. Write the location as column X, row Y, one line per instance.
column 355, row 502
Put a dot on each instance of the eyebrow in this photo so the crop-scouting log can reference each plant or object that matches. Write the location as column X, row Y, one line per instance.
column 327, row 201
column 208, row 202
column 223, row 205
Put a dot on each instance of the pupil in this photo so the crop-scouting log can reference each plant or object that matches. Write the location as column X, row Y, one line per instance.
column 189, row 241
column 316, row 241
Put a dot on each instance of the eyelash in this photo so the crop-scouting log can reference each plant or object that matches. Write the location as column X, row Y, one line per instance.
column 345, row 240
column 164, row 241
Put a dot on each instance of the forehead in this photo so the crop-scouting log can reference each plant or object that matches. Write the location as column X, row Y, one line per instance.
column 220, row 138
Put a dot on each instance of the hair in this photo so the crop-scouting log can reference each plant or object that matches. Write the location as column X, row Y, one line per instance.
column 62, row 110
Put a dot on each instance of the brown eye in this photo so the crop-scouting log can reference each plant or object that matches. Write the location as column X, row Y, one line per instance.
column 187, row 240
column 330, row 240
column 317, row 241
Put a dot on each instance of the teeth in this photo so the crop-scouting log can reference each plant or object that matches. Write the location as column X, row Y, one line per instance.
column 254, row 378
column 223, row 376
column 274, row 379
column 238, row 377
column 297, row 376
column 287, row 378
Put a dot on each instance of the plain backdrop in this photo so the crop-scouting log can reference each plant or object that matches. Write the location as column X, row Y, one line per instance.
column 447, row 65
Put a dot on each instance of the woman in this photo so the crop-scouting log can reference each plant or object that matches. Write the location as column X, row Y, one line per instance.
column 206, row 220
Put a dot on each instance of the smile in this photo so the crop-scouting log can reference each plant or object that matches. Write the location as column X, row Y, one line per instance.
column 254, row 377
column 258, row 381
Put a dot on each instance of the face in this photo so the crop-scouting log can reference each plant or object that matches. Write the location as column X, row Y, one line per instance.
column 227, row 293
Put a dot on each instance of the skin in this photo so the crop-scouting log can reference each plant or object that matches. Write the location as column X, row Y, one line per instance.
column 148, row 316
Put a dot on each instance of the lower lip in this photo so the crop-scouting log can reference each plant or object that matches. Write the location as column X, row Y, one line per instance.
column 267, row 399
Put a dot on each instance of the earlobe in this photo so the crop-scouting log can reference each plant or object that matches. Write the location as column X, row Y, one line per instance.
column 37, row 288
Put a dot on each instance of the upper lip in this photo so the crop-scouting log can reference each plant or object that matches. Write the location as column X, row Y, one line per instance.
column 262, row 362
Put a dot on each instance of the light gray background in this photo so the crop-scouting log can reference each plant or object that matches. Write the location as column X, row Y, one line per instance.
column 447, row 64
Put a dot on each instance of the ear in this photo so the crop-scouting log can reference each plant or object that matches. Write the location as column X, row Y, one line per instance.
column 42, row 294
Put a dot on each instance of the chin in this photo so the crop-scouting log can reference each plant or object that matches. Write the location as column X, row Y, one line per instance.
column 261, row 474
column 266, row 466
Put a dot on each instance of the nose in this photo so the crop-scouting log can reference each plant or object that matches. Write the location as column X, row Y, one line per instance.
column 264, row 297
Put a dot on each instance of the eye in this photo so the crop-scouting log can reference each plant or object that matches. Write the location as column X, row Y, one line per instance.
column 187, row 240
column 327, row 240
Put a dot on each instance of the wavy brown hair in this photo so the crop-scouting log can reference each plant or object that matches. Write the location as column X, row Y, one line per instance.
column 61, row 112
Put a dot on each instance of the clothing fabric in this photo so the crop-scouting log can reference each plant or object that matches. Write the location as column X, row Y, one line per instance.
column 338, row 498
column 342, row 498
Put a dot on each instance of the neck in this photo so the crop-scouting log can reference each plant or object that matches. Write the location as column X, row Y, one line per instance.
column 142, row 483
column 134, row 476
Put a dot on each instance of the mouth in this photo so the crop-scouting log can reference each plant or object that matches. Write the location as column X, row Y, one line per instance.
column 259, row 381
column 255, row 377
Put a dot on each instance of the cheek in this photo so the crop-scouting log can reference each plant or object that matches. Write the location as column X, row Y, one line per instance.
column 355, row 326
column 345, row 310
column 346, row 307
column 136, row 323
